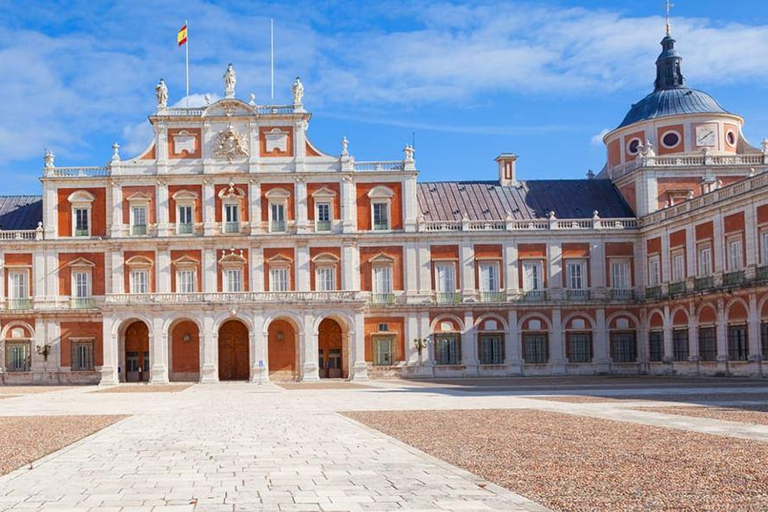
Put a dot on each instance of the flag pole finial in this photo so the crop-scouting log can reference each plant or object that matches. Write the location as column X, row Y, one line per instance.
column 668, row 25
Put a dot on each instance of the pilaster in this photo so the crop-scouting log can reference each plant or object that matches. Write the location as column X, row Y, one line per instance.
column 357, row 349
column 348, row 205
column 161, row 209
column 209, row 371
column 209, row 207
column 469, row 344
column 158, row 353
column 309, row 343
column 117, row 209
column 302, row 267
column 254, row 206
column 110, row 349
column 467, row 269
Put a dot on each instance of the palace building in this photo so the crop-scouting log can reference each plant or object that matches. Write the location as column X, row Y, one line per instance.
column 232, row 248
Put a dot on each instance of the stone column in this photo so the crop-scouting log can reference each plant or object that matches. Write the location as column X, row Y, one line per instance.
column 309, row 349
column 38, row 274
column 259, row 366
column 722, row 338
column 557, row 357
column 300, row 200
column 753, row 329
column 302, row 267
column 467, row 269
column 512, row 350
column 110, row 348
column 410, row 204
column 254, row 207
column 602, row 355
column 357, row 349
column 718, row 260
column 209, row 207
column 424, row 269
column 161, row 209
column 256, row 270
column 667, row 331
column 209, row 369
column 469, row 345
column 666, row 271
column 693, row 338
column 158, row 354
column 411, row 356
column 117, row 272
column 511, row 277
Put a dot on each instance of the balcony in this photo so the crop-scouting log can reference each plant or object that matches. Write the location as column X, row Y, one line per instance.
column 704, row 283
column 226, row 298
column 493, row 296
column 761, row 273
column 231, row 227
column 322, row 225
column 82, row 303
column 185, row 229
column 382, row 298
column 619, row 294
column 677, row 288
column 447, row 297
column 535, row 295
column 733, row 278
column 19, row 304
column 277, row 226
column 139, row 230
column 653, row 292
column 577, row 294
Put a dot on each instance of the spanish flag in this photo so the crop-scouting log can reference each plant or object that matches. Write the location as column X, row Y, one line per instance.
column 181, row 37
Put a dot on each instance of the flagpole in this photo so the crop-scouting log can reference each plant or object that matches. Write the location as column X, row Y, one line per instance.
column 186, row 53
column 272, row 58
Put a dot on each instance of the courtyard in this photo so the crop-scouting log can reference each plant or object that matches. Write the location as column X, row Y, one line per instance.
column 507, row 444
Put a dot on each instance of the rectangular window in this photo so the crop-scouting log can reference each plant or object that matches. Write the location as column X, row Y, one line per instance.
column 533, row 276
column 82, row 227
column 186, row 281
column 764, row 249
column 489, row 277
column 447, row 349
column 576, row 275
column 382, row 279
column 656, row 346
column 81, row 284
column 445, row 277
column 620, row 275
column 380, row 216
column 623, row 347
column 233, row 280
column 680, row 344
column 82, row 355
column 18, row 285
column 491, row 349
column 139, row 220
column 325, row 279
column 383, row 353
column 17, row 356
column 184, row 218
column 705, row 261
column 735, row 257
column 579, row 347
column 278, row 279
column 535, row 348
column 323, row 216
column 678, row 267
column 231, row 218
column 738, row 346
column 139, row 281
column 707, row 344
column 654, row 270
column 277, row 210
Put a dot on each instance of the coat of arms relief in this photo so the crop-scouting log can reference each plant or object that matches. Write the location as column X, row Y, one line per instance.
column 230, row 145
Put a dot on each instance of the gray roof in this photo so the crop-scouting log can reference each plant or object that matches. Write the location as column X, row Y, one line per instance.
column 487, row 200
column 672, row 102
column 20, row 212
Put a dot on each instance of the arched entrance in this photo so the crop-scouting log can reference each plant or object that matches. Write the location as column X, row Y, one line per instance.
column 185, row 352
column 233, row 351
column 137, row 352
column 281, row 348
column 333, row 354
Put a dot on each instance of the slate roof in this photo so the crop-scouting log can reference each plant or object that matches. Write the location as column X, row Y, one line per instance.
column 672, row 102
column 20, row 212
column 487, row 200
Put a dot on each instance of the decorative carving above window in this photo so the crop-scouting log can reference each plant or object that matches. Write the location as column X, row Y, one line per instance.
column 276, row 139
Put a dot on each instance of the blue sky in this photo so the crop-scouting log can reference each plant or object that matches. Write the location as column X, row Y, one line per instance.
column 472, row 79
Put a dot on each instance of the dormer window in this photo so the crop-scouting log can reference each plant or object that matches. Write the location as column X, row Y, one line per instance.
column 323, row 199
column 278, row 208
column 82, row 203
column 381, row 203
column 185, row 212
column 231, row 203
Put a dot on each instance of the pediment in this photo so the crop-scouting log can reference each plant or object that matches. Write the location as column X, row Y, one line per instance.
column 382, row 259
column 81, row 263
column 229, row 107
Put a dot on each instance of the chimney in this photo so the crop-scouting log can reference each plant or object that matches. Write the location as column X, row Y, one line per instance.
column 507, row 175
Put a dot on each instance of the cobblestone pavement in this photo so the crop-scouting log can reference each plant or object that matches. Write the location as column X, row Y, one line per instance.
column 244, row 446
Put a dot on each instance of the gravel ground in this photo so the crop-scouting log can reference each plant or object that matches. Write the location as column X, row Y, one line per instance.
column 24, row 439
column 699, row 397
column 145, row 388
column 743, row 414
column 575, row 463
column 321, row 385
column 25, row 390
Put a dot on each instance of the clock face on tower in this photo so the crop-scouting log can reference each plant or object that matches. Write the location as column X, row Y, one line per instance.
column 706, row 135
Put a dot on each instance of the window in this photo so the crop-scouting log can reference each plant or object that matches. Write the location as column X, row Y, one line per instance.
column 670, row 139
column 489, row 277
column 382, row 279
column 705, row 261
column 633, row 147
column 576, row 275
column 277, row 214
column 139, row 220
column 623, row 347
column 323, row 216
column 17, row 356
column 447, row 349
column 764, row 248
column 491, row 349
column 532, row 275
column 231, row 218
column 278, row 279
column 680, row 344
column 735, row 258
column 656, row 346
column 707, row 344
column 383, row 354
column 233, row 280
column 81, row 284
column 82, row 221
column 186, row 281
column 184, row 225
column 738, row 348
column 654, row 270
column 620, row 275
column 535, row 348
column 678, row 267
column 445, row 277
column 18, row 284
column 82, row 355
column 579, row 347
column 325, row 279
column 764, row 339
column 380, row 215
column 139, row 281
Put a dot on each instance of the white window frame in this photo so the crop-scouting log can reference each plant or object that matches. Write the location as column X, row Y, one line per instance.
column 576, row 274
column 764, row 249
column 678, row 266
column 15, row 288
column 621, row 280
column 186, row 280
column 185, row 199
column 319, row 206
column 381, row 196
column 734, row 252
column 387, row 340
column 232, row 279
column 277, row 198
column 704, row 260
column 325, row 278
column 322, row 197
column 137, row 212
column 654, row 270
column 231, row 216
column 87, row 343
column 381, row 280
column 81, row 200
column 489, row 275
column 279, row 278
column 82, row 290
column 533, row 275
column 139, row 280
column 445, row 269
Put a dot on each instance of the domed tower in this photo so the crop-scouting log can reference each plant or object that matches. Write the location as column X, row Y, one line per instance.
column 676, row 143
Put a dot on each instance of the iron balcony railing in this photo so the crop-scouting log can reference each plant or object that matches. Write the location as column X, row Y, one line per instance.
column 25, row 303
column 277, row 226
column 733, row 278
column 578, row 294
column 139, row 229
column 185, row 229
column 493, row 296
column 82, row 232
column 761, row 273
column 622, row 294
column 380, row 226
column 447, row 297
column 231, row 227
column 677, row 288
column 535, row 295
column 383, row 298
column 653, row 292
column 323, row 225
column 704, row 283
column 82, row 303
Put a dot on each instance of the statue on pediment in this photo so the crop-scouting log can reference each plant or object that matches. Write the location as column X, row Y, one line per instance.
column 230, row 145
column 298, row 91
column 161, row 93
column 230, row 79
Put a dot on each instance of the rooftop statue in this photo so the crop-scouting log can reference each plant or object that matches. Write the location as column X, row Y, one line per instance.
column 230, row 79
column 161, row 92
column 48, row 158
column 298, row 91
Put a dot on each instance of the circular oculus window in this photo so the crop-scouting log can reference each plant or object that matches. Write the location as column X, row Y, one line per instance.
column 633, row 146
column 670, row 139
column 730, row 138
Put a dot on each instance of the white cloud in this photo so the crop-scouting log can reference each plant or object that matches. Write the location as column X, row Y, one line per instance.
column 597, row 139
